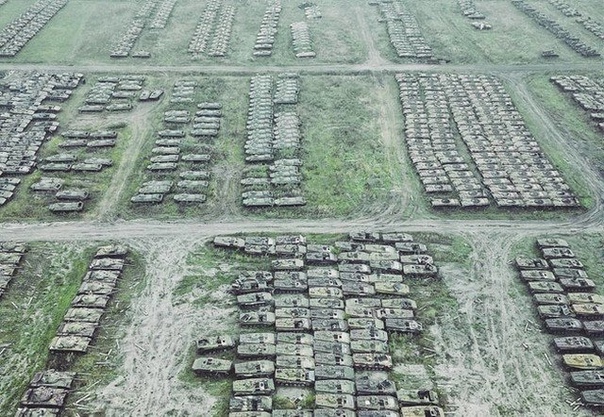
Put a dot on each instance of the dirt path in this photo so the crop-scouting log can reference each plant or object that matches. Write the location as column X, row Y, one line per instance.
column 374, row 59
column 137, row 121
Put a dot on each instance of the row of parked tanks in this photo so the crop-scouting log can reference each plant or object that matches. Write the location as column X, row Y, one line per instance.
column 47, row 392
column 11, row 256
column 320, row 324
column 570, row 308
column 213, row 32
column 587, row 92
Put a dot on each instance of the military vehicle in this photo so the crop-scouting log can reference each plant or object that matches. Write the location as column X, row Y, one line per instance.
column 90, row 301
column 422, row 411
column 427, row 270
column 294, row 376
column 369, row 385
column 327, row 313
column 577, row 284
column 549, row 253
column 368, row 236
column 290, row 284
column 552, row 242
column 88, row 315
column 394, row 313
column 325, row 282
column 401, row 303
column 147, row 198
column 323, row 358
column 253, row 386
column 290, row 240
column 593, row 327
column 296, row 338
column 379, row 361
column 104, row 276
column 292, row 312
column 335, row 386
column 394, row 289
column 291, row 361
column 257, row 338
column 565, row 263
column 334, row 412
column 249, row 285
column 366, row 302
column 334, row 372
column 215, row 343
column 291, row 300
column 377, row 402
column 292, row 413
column 599, row 346
column 257, row 318
column 544, row 286
column 294, row 349
column 587, row 379
column 322, row 273
column 352, row 288
column 354, row 268
column 551, row 298
column 48, row 184
column 593, row 398
column 334, row 303
column 321, row 258
column 550, row 311
column 70, row 344
column 563, row 325
column 325, row 292
column 573, row 344
column 589, row 310
column 585, row 297
column 117, row 251
column 410, row 248
column 254, row 300
column 365, row 323
column 109, row 263
column 329, row 325
column 76, row 328
column 328, row 400
column 417, row 397
column 389, row 266
column 332, row 336
column 254, row 369
column 285, row 324
column 52, row 378
column 66, row 207
column 537, row 275
column 354, row 257
column 251, row 403
column 44, row 397
column 256, row 350
column 287, row 264
column 569, row 273
column 369, row 346
column 583, row 361
column 212, row 366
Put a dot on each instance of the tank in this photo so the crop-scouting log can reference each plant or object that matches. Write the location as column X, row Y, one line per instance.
column 118, row 251
column 293, row 324
column 287, row 264
column 565, row 263
column 325, row 292
column 327, row 400
column 268, row 338
column 551, row 242
column 52, row 378
column 88, row 315
column 327, row 313
column 402, row 303
column 326, row 303
column 549, row 253
column 72, row 194
column 369, row 346
column 593, row 398
column 589, row 310
column 335, row 386
column 372, row 361
column 332, row 347
column 569, row 273
column 44, row 397
column 551, row 311
column 366, row 385
column 354, row 256
column 322, row 273
column 394, row 313
column 292, row 312
column 102, row 276
column 585, row 297
column 394, row 289
column 291, row 361
column 364, row 323
column 563, row 325
column 420, row 270
column 215, row 343
column 251, row 403
column 325, row 282
column 334, row 372
column 329, row 325
column 417, row 397
column 366, row 236
column 66, row 207
column 523, row 263
column 257, row 318
column 577, row 284
column 377, row 402
column 212, row 366
column 290, row 240
column 90, row 301
column 352, row 288
column 332, row 336
column 333, row 359
column 352, row 267
column 293, row 300
column 573, row 344
column 363, row 302
column 334, row 412
column 70, row 343
column 410, row 248
column 582, row 361
column 254, row 369
column 296, row 338
column 544, row 286
column 229, row 242
column 550, row 298
column 319, row 258
column 292, row 413
column 290, row 284
column 253, row 386
column 422, row 411
column 255, row 300
column 294, row 349
column 256, row 350
column 377, row 413
column 587, row 379
column 537, row 275
column 389, row 266
column 594, row 327
column 294, row 376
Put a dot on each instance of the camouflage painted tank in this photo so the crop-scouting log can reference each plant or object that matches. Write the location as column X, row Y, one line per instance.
column 362, row 289
column 552, row 242
column 369, row 334
column 360, row 277
column 549, row 298
column 369, row 346
column 328, row 400
column 294, row 376
column 589, row 310
column 212, row 366
column 88, row 315
column 329, row 325
column 354, row 268
column 291, row 361
column 215, row 343
column 53, row 378
column 318, row 258
column 268, row 338
column 544, row 286
column 118, row 251
column 368, row 302
column 403, row 303
column 322, row 358
column 294, row 349
column 327, row 313
column 290, row 284
column 570, row 273
column 256, row 350
column 577, row 284
column 593, row 398
column 70, row 343
column 573, row 344
column 335, row 386
column 229, row 242
column 287, row 264
column 336, row 303
column 420, row 270
column 254, row 369
column 325, row 282
column 531, row 263
column 90, row 301
column 367, row 385
column 257, row 318
column 290, row 240
column 366, row 236
column 334, row 372
column 550, row 311
column 417, row 397
column 565, row 263
column 254, row 386
column 583, row 361
column 255, row 300
column 334, row 412
column 291, row 300
column 37, row 412
column 549, row 253
column 292, row 413
column 365, row 323
column 325, row 292
column 249, row 285
column 296, row 338
column 394, row 289
column 250, row 403
column 410, row 248
column 322, row 273
column 585, row 297
column 377, row 402
column 330, row 336
column 354, row 256
column 44, row 397
column 292, row 312
column 587, row 379
column 372, row 361
column 537, row 275
column 285, row 324
column 403, row 326
column 336, row 348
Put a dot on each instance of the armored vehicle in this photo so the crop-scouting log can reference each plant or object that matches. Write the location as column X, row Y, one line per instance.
column 215, row 343
column 565, row 263
column 257, row 318
column 363, row 302
column 48, row 184
column 329, row 325
column 582, row 361
column 88, row 315
column 549, row 253
column 111, row 264
column 76, row 328
column 253, row 386
column 254, row 369
column 294, row 376
column 249, row 285
column 410, row 248
column 147, row 198
column 293, row 324
column 402, row 303
column 394, row 313
column 105, row 276
column 212, row 366
column 594, row 327
column 287, row 264
column 334, row 303
column 569, row 273
column 292, row 312
column 322, row 358
column 372, row 361
column 321, row 258
column 255, row 300
column 251, row 403
column 325, row 282
column 365, row 323
column 550, row 311
column 256, row 350
column 389, row 266
column 101, row 288
column 577, row 284
column 587, row 379
column 296, row 338
column 291, row 361
column 589, row 310
column 573, row 344
column 352, row 288
column 352, row 267
column 52, row 378
column 322, row 273
column 327, row 313
column 367, row 385
column 335, row 386
column 334, row 372
column 268, row 338
column 290, row 240
column 377, row 413
column 334, row 412
column 369, row 346
column 70, row 344
column 66, row 207
column 544, row 286
column 118, row 251
column 551, row 298
column 290, row 284
column 394, row 289
column 44, row 397
column 377, row 402
column 332, row 336
column 90, row 301
column 325, row 292
column 422, row 411
column 593, row 398
column 292, row 413
column 293, row 300
column 332, row 347
column 417, row 397
column 585, row 297
column 294, row 349
column 354, row 256
column 427, row 270
column 328, row 400
column 537, row 275
column 551, row 242
column 563, row 325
